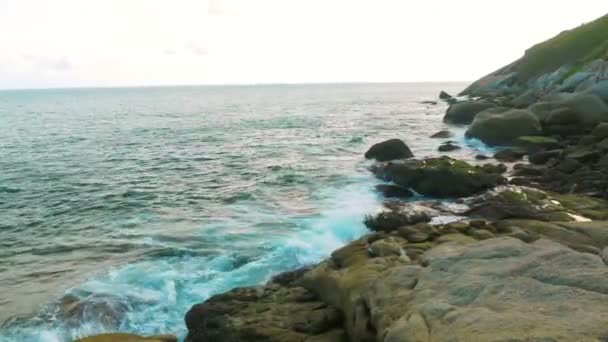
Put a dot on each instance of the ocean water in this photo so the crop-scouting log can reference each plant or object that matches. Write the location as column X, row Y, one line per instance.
column 140, row 202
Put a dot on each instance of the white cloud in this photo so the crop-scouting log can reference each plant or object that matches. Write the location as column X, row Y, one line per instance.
column 140, row 42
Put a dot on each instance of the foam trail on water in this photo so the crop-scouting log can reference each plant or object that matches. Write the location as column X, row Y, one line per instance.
column 154, row 295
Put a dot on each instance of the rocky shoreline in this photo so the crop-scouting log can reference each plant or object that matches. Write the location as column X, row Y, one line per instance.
column 515, row 253
column 519, row 254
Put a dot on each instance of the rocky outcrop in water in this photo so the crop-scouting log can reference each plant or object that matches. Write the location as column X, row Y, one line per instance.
column 389, row 150
column 440, row 177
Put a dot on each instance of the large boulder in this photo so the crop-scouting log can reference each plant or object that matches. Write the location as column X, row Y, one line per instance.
column 279, row 311
column 504, row 128
column 441, row 177
column 589, row 107
column 499, row 289
column 389, row 150
column 464, row 112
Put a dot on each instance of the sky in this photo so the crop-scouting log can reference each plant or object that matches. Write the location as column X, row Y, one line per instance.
column 102, row 43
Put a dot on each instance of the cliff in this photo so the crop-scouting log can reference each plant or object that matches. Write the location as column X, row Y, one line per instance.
column 562, row 63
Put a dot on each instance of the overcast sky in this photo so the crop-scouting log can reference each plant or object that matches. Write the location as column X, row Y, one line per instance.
column 70, row 43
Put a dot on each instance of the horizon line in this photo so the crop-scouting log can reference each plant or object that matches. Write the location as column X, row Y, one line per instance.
column 227, row 85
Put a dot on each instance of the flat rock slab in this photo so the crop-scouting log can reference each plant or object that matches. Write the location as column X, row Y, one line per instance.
column 500, row 289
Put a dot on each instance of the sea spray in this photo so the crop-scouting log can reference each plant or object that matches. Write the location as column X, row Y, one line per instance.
column 156, row 294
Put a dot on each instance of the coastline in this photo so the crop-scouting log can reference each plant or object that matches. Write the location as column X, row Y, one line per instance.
column 522, row 243
column 487, row 252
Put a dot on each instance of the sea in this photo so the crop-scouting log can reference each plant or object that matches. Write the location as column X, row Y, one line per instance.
column 120, row 208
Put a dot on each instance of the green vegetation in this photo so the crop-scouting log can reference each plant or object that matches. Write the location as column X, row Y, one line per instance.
column 575, row 47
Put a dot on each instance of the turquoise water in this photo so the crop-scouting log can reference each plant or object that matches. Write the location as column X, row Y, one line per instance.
column 141, row 202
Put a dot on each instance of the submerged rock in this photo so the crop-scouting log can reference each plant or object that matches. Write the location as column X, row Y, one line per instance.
column 394, row 191
column 441, row 177
column 389, row 150
column 275, row 312
column 448, row 147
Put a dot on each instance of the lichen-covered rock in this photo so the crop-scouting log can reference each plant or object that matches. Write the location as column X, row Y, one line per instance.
column 448, row 147
column 394, row 191
column 276, row 312
column 389, row 150
column 441, row 177
column 504, row 128
column 468, row 291
column 464, row 112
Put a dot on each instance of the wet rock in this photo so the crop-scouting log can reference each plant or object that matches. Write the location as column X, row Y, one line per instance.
column 509, row 155
column 464, row 112
column 448, row 147
column 389, row 150
column 394, row 191
column 505, row 127
column 481, row 157
column 442, row 135
column 388, row 221
column 459, row 287
column 271, row 313
column 441, row 177
column 524, row 203
column 107, row 310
